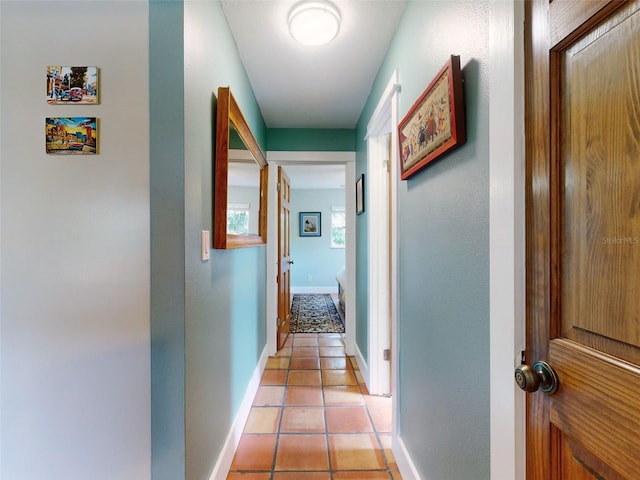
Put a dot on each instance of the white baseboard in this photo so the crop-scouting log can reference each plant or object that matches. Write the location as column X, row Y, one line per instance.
column 329, row 289
column 407, row 469
column 362, row 364
column 221, row 470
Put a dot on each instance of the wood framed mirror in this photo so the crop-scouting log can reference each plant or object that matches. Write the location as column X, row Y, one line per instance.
column 240, row 180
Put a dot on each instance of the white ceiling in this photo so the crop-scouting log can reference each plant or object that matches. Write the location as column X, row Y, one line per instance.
column 298, row 86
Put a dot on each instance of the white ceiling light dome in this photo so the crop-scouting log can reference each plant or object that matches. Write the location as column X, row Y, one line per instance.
column 314, row 22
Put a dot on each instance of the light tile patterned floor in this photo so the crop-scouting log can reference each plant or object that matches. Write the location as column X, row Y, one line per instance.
column 313, row 419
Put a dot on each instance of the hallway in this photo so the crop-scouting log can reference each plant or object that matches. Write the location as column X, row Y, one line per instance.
column 313, row 419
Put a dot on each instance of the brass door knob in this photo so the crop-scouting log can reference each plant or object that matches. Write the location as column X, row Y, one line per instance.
column 539, row 377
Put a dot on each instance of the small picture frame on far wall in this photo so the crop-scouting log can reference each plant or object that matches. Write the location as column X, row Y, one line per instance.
column 360, row 195
column 310, row 224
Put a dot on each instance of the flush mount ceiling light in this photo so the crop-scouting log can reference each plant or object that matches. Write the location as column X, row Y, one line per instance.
column 314, row 22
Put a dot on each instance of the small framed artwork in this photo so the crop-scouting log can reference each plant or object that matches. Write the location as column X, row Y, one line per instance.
column 435, row 122
column 310, row 224
column 71, row 135
column 360, row 195
column 72, row 85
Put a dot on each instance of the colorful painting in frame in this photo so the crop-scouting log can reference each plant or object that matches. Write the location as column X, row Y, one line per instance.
column 72, row 85
column 72, row 135
column 435, row 122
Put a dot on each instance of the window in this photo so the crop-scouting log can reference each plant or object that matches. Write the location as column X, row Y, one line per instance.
column 338, row 227
column 238, row 218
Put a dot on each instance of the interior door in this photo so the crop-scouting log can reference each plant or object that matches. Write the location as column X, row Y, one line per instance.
column 583, row 237
column 284, row 257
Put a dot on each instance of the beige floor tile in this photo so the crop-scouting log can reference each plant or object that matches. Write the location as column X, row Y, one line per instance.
column 348, row 420
column 255, row 452
column 305, row 342
column 274, row 377
column 332, row 352
column 285, row 351
column 277, row 363
column 303, row 420
column 302, row 476
column 338, row 377
column 386, row 440
column 269, row 395
column 304, row 377
column 304, row 396
column 354, row 363
column 362, row 475
column 304, row 352
column 381, row 416
column 302, row 452
column 304, row 363
column 343, row 395
column 330, row 342
column 381, row 400
column 249, row 476
column 334, row 363
column 355, row 452
column 263, row 420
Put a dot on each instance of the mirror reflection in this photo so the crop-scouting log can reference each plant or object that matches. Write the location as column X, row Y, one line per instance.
column 240, row 180
column 243, row 194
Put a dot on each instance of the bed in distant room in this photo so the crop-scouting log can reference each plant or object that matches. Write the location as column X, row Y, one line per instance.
column 341, row 278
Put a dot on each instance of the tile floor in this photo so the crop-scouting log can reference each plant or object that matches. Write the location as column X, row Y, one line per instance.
column 313, row 419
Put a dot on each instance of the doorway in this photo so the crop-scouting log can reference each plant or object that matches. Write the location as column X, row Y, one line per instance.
column 381, row 205
column 289, row 160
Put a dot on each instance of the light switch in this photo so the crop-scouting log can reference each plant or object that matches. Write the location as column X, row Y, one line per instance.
column 204, row 245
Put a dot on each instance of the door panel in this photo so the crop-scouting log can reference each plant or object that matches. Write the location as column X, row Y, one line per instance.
column 583, row 237
column 284, row 257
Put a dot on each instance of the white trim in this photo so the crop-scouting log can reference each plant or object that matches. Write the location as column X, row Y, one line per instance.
column 406, row 466
column 361, row 361
column 350, row 258
column 506, row 244
column 221, row 469
column 278, row 158
column 381, row 280
column 377, row 204
column 293, row 158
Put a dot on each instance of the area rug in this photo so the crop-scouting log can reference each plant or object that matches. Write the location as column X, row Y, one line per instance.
column 314, row 313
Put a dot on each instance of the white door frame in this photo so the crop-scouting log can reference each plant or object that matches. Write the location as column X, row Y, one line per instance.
column 275, row 159
column 506, row 243
column 382, row 162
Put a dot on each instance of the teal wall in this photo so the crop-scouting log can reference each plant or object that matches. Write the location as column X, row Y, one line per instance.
column 443, row 216
column 214, row 310
column 225, row 297
column 310, row 140
column 314, row 255
column 166, row 61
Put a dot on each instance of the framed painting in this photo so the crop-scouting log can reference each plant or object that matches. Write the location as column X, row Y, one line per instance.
column 71, row 135
column 435, row 123
column 360, row 195
column 310, row 224
column 72, row 85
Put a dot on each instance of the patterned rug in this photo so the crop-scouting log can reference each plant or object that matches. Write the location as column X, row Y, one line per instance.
column 314, row 313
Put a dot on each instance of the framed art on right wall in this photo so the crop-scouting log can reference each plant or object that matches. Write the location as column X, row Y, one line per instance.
column 435, row 123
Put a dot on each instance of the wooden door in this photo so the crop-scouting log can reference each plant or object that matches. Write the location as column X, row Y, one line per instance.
column 284, row 257
column 583, row 237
